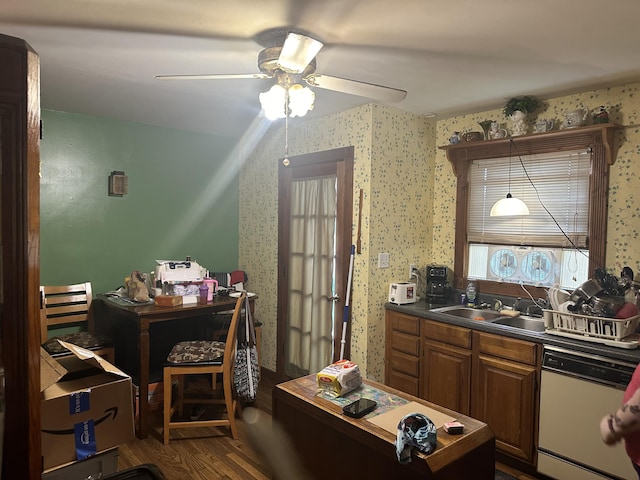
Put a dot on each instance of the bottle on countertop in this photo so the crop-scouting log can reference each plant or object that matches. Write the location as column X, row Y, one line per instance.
column 204, row 294
column 472, row 294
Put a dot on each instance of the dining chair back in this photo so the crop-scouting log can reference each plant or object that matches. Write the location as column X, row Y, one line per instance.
column 197, row 357
column 70, row 306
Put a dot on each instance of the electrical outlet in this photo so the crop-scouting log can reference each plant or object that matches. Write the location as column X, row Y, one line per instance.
column 412, row 267
column 383, row 260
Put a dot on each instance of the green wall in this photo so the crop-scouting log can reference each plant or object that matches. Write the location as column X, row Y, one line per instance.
column 182, row 200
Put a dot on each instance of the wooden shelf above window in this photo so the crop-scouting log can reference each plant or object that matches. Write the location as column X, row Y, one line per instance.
column 602, row 134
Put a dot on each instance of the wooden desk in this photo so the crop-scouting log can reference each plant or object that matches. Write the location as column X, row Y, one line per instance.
column 141, row 317
column 331, row 445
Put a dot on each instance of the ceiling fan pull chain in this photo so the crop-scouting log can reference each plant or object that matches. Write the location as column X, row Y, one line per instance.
column 285, row 162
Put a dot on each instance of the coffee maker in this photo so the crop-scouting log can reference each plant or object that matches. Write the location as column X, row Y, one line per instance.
column 438, row 286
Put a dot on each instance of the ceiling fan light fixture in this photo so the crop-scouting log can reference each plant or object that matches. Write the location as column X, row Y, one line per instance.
column 297, row 52
column 272, row 102
column 509, row 206
column 301, row 100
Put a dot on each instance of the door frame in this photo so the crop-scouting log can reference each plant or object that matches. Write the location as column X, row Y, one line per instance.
column 20, row 263
column 302, row 166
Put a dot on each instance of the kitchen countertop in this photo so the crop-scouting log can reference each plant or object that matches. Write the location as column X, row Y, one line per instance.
column 425, row 310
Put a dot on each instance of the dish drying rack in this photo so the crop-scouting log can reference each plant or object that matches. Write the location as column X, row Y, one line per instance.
column 615, row 332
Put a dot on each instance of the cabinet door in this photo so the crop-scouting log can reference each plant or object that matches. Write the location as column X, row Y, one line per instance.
column 447, row 376
column 504, row 398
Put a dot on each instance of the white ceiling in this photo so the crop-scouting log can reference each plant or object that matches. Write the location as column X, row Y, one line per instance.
column 99, row 57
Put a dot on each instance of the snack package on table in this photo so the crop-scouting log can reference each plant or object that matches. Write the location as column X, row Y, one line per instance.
column 339, row 378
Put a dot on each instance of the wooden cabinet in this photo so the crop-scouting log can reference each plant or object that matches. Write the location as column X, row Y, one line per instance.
column 486, row 376
column 504, row 391
column 446, row 378
column 347, row 448
column 402, row 352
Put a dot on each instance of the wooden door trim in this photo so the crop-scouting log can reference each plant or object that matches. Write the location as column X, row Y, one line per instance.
column 20, row 309
column 311, row 164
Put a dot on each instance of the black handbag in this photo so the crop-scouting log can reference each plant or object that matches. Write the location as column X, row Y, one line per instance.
column 247, row 371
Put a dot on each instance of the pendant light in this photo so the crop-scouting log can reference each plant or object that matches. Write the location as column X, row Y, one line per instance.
column 510, row 205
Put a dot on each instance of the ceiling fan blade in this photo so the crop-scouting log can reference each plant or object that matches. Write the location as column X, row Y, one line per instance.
column 213, row 76
column 353, row 87
column 297, row 52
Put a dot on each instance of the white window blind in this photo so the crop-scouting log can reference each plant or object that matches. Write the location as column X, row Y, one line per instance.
column 554, row 185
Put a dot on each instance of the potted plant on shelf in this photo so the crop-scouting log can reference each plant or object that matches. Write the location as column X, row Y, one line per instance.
column 516, row 109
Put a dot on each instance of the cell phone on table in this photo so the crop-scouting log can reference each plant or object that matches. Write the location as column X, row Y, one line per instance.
column 359, row 408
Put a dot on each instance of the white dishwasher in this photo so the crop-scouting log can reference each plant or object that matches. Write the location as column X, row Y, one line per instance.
column 576, row 390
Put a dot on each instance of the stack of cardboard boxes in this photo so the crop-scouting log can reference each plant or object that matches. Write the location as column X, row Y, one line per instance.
column 87, row 410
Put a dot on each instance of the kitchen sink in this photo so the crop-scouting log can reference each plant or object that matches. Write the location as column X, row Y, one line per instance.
column 525, row 323
column 491, row 316
column 470, row 313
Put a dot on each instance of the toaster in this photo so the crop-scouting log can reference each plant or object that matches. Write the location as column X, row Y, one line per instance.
column 402, row 292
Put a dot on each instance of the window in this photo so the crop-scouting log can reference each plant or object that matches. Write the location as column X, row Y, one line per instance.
column 547, row 246
column 597, row 139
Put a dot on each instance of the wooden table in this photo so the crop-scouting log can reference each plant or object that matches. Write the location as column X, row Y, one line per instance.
column 107, row 314
column 331, row 445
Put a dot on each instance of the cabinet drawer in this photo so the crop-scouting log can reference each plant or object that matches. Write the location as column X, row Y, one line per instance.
column 405, row 343
column 404, row 383
column 508, row 348
column 404, row 323
column 401, row 362
column 451, row 334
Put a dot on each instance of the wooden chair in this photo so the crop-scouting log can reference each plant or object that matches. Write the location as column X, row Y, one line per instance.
column 209, row 357
column 70, row 305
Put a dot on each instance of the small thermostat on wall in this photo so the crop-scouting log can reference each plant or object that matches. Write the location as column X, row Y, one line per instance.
column 118, row 184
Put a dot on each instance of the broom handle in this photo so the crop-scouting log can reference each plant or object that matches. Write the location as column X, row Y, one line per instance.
column 345, row 316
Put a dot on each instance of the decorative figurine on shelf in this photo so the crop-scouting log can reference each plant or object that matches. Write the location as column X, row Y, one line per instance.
column 543, row 125
column 516, row 109
column 496, row 132
column 600, row 115
column 518, row 127
column 455, row 138
column 472, row 136
column 575, row 118
column 486, row 125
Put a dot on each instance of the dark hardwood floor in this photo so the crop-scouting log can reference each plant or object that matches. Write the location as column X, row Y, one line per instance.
column 202, row 453
column 211, row 453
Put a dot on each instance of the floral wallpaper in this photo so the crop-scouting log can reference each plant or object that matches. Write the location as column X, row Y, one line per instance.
column 408, row 201
column 623, row 105
column 391, row 168
column 401, row 196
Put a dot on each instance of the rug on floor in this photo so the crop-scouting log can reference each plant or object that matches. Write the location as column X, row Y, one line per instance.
column 504, row 476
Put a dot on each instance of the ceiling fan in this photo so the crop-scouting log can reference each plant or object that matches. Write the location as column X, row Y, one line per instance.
column 290, row 58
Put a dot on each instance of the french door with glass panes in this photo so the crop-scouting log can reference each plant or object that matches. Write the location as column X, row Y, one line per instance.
column 315, row 211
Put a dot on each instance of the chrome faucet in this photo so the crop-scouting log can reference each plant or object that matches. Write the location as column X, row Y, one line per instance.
column 517, row 304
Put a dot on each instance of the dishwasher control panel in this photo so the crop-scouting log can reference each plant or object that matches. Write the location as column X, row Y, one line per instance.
column 584, row 365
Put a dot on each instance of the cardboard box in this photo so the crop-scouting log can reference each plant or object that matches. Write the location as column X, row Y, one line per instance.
column 87, row 406
column 155, row 397
column 98, row 466
column 168, row 300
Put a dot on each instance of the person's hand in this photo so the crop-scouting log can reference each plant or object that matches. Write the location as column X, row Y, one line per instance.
column 609, row 437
